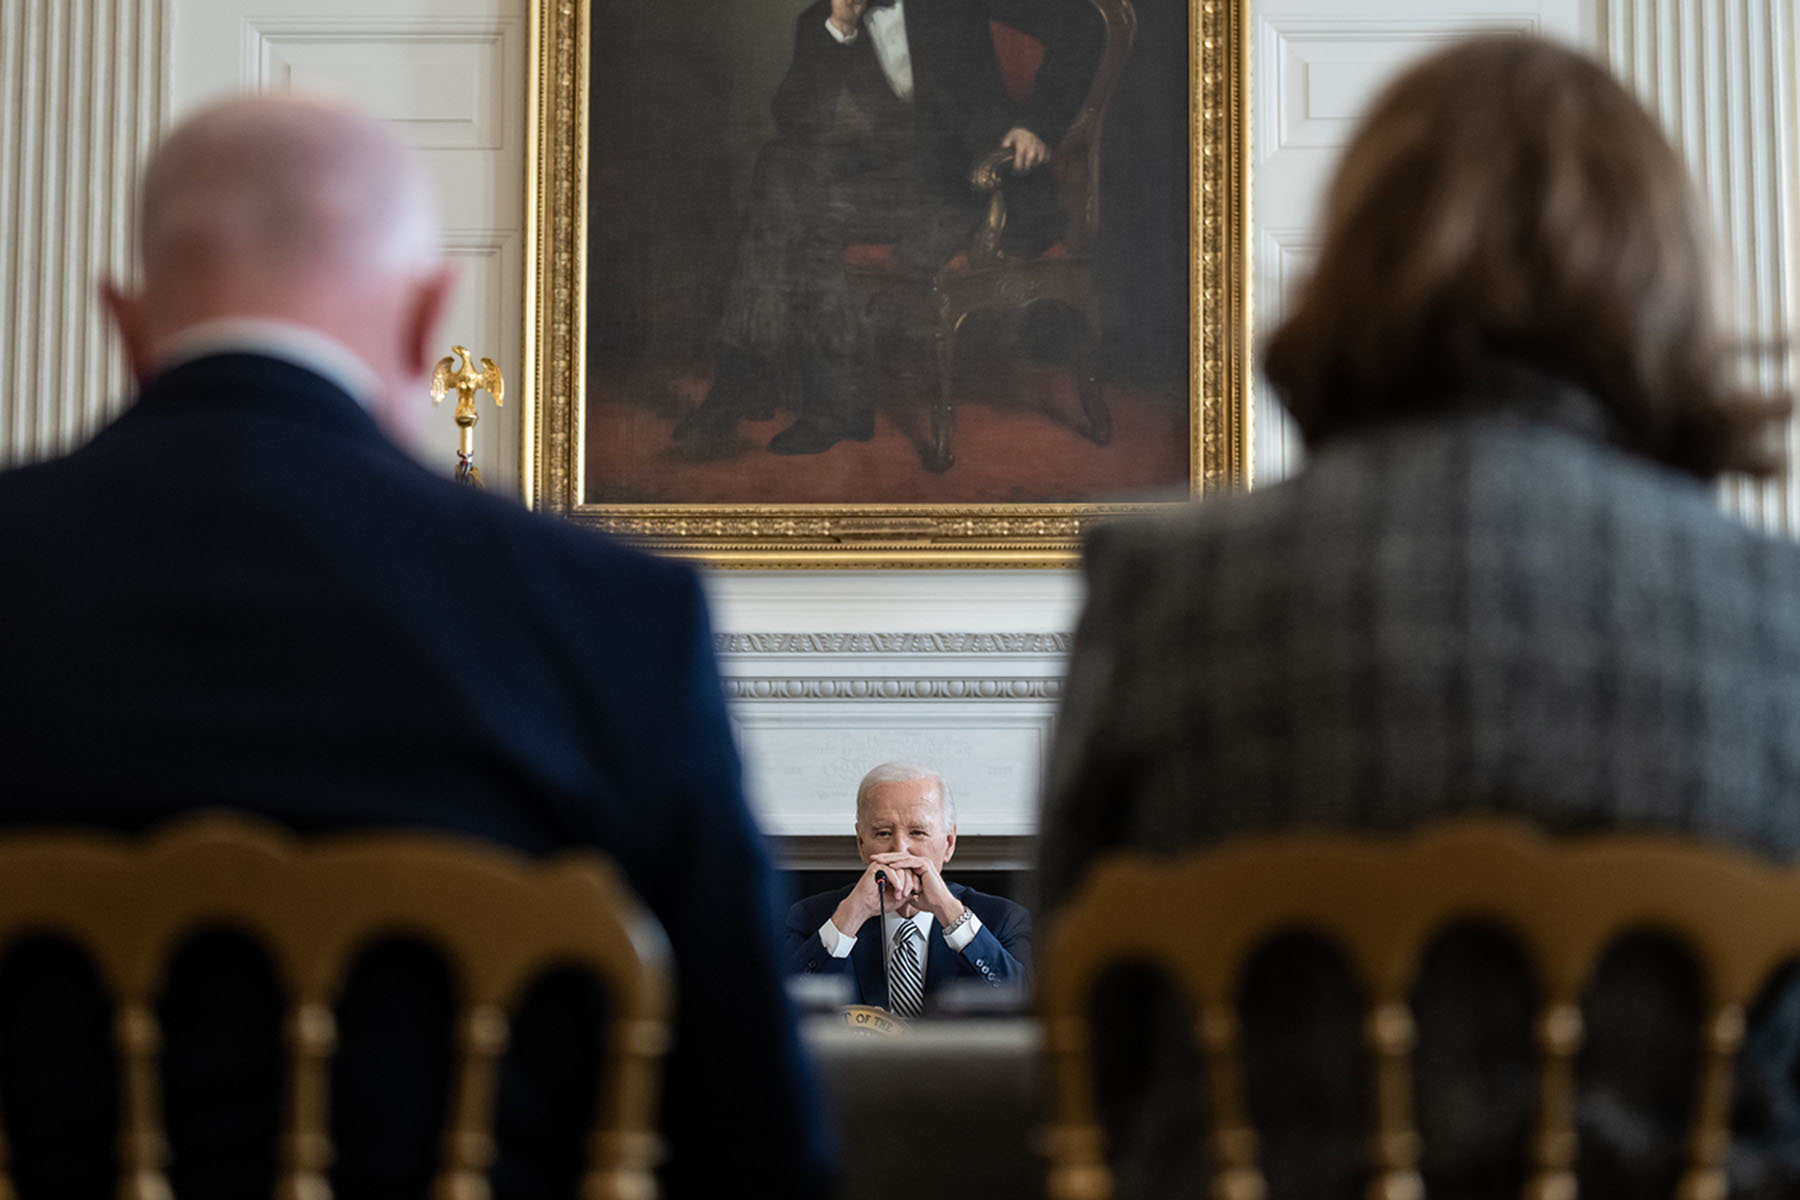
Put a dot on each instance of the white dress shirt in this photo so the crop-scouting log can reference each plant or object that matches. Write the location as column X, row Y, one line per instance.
column 317, row 352
column 887, row 29
column 838, row 944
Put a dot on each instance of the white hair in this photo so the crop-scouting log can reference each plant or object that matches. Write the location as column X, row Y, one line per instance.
column 904, row 772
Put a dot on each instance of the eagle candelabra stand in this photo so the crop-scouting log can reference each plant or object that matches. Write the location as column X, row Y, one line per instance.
column 467, row 381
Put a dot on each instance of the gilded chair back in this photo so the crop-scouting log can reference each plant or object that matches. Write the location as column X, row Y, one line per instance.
column 1381, row 901
column 498, row 919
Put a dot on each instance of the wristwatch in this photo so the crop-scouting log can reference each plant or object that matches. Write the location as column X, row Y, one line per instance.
column 968, row 913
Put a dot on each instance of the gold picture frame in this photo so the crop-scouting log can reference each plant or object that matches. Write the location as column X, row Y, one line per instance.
column 874, row 534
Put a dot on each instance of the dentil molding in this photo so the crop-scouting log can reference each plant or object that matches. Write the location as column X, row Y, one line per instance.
column 885, row 688
column 1046, row 644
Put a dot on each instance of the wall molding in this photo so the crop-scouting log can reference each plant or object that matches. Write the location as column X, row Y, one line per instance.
column 1720, row 74
column 893, row 643
column 837, row 852
column 85, row 97
column 275, row 45
column 840, row 688
column 1286, row 44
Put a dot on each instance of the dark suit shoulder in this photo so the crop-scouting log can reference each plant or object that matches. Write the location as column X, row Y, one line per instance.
column 19, row 484
column 534, row 548
column 993, row 910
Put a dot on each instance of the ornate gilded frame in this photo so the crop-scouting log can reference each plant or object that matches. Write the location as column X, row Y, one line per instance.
column 874, row 535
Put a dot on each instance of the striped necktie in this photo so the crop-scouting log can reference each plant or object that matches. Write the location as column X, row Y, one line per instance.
column 906, row 985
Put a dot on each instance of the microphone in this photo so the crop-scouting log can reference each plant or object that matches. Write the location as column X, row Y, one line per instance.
column 881, row 886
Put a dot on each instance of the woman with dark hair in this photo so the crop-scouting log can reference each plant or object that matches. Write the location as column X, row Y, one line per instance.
column 1500, row 584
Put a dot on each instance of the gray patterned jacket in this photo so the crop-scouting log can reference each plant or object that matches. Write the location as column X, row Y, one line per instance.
column 1487, row 612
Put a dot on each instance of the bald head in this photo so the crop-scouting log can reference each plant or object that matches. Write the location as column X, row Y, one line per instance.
column 279, row 187
column 295, row 210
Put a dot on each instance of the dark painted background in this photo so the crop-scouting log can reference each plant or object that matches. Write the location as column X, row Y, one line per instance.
column 680, row 105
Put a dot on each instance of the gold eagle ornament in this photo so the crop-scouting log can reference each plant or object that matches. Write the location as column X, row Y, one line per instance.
column 467, row 381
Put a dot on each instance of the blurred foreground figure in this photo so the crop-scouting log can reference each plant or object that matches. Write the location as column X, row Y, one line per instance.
column 1501, row 584
column 243, row 594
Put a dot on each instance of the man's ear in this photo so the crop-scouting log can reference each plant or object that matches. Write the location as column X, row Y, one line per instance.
column 950, row 844
column 127, row 313
column 430, row 301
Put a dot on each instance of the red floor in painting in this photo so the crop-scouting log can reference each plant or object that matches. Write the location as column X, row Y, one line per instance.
column 1018, row 439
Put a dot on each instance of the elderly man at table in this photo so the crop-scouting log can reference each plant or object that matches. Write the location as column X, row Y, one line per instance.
column 931, row 932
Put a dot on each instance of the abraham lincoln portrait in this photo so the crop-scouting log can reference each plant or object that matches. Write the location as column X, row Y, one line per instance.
column 872, row 251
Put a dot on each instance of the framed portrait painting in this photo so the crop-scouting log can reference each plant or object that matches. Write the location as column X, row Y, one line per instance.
column 885, row 282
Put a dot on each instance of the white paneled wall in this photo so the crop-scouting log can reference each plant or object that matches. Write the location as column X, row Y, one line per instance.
column 448, row 76
column 81, row 99
column 1318, row 63
column 1720, row 74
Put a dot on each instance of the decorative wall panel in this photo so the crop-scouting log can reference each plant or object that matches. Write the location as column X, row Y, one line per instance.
column 440, row 84
column 1720, row 73
column 1321, row 73
column 82, row 97
column 1283, row 257
column 1315, row 73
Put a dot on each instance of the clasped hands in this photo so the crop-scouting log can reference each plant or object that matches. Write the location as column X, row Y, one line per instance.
column 913, row 886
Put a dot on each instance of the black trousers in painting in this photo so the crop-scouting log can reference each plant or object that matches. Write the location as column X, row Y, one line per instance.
column 788, row 301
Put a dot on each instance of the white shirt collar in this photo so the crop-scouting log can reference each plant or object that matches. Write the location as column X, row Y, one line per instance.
column 891, row 922
column 317, row 352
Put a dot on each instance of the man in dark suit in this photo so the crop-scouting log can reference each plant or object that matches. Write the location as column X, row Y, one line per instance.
column 885, row 107
column 901, row 912
column 243, row 594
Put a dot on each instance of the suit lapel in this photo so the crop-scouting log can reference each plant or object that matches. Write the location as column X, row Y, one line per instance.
column 922, row 38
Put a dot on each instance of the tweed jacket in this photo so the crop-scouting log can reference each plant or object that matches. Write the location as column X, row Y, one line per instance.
column 1491, row 612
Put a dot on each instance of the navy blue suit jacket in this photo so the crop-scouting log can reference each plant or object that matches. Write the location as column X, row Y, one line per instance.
column 241, row 594
column 1000, row 953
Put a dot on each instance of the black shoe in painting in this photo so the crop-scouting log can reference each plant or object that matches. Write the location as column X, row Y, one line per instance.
column 744, row 388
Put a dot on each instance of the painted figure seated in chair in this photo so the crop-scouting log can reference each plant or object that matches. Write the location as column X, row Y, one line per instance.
column 884, row 108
